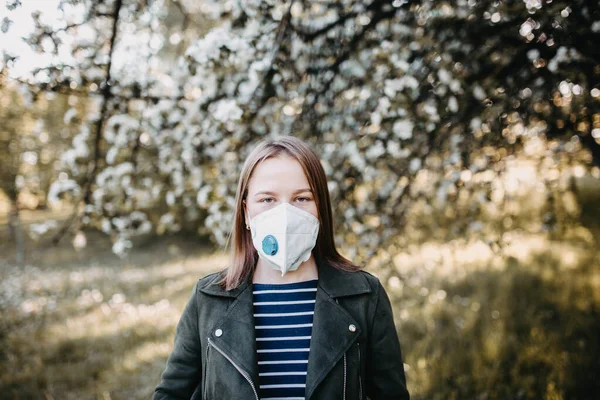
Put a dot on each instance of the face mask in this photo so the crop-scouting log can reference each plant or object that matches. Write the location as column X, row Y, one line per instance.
column 284, row 236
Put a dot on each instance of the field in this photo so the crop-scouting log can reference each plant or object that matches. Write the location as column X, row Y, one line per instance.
column 520, row 323
column 88, row 325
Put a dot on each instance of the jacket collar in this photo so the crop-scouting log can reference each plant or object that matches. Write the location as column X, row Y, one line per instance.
column 335, row 282
column 338, row 283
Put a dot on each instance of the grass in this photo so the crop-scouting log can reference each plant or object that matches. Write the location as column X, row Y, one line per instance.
column 520, row 323
column 88, row 325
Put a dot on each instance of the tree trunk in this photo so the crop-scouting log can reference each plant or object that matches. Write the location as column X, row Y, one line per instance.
column 16, row 232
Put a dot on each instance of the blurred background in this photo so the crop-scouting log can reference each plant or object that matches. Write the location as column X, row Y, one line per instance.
column 461, row 140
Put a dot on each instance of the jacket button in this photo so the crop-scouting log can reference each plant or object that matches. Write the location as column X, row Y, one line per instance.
column 352, row 328
column 218, row 333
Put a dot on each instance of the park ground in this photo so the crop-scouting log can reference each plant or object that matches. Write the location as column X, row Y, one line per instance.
column 520, row 322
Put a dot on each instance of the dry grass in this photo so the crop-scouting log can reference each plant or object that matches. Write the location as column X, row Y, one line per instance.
column 88, row 325
column 520, row 323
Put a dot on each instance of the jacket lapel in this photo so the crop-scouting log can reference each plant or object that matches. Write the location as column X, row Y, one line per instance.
column 332, row 335
column 237, row 337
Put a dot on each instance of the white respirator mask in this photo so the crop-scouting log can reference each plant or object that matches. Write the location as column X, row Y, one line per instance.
column 284, row 236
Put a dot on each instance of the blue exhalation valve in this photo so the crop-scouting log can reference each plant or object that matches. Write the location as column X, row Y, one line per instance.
column 269, row 245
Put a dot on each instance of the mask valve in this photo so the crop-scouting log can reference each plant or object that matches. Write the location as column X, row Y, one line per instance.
column 269, row 245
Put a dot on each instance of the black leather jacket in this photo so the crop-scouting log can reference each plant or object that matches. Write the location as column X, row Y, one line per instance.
column 354, row 349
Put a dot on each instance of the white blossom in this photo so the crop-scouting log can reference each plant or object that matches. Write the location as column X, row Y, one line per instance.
column 375, row 151
column 478, row 92
column 122, row 246
column 444, row 76
column 403, row 129
column 453, row 104
column 70, row 115
column 59, row 187
column 37, row 230
column 415, row 165
column 393, row 86
column 209, row 48
column 561, row 56
column 226, row 110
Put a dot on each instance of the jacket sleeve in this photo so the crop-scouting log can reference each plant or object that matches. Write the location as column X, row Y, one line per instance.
column 385, row 369
column 184, row 366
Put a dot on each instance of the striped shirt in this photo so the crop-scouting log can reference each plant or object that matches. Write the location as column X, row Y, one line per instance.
column 283, row 318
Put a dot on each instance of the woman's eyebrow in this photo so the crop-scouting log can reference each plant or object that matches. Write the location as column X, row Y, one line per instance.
column 273, row 194
column 302, row 191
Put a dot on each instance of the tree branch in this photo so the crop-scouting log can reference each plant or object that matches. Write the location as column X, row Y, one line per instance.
column 87, row 188
column 260, row 91
column 65, row 89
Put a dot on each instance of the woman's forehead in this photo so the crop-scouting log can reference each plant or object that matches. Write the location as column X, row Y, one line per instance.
column 278, row 173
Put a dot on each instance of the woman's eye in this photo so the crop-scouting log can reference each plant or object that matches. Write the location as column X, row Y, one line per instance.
column 267, row 200
column 303, row 199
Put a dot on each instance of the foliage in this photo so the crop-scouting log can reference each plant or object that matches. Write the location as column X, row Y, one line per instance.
column 386, row 92
column 32, row 138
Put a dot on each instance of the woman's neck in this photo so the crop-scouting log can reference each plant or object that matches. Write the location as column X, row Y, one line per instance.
column 264, row 273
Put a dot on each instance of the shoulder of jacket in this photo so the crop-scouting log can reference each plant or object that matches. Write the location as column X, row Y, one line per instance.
column 373, row 281
column 208, row 280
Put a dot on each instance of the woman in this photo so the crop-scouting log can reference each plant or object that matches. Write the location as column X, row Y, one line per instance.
column 290, row 318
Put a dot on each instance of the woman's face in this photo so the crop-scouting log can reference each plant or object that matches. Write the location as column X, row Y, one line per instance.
column 278, row 180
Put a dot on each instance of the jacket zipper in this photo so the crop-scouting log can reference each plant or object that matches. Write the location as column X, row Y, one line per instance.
column 345, row 362
column 205, row 372
column 344, row 393
column 240, row 370
column 359, row 374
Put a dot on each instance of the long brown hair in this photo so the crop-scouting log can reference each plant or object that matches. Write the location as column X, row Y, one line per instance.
column 242, row 254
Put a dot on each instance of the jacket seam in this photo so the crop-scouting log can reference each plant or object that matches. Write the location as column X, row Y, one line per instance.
column 196, row 308
column 373, row 319
column 196, row 321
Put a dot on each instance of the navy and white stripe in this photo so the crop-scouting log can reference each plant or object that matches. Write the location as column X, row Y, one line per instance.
column 283, row 318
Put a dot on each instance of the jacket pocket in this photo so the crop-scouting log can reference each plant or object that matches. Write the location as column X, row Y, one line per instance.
column 224, row 379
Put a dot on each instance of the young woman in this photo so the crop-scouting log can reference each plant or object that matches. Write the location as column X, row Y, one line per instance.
column 290, row 318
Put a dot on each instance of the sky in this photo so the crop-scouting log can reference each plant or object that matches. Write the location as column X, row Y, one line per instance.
column 12, row 42
column 133, row 46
